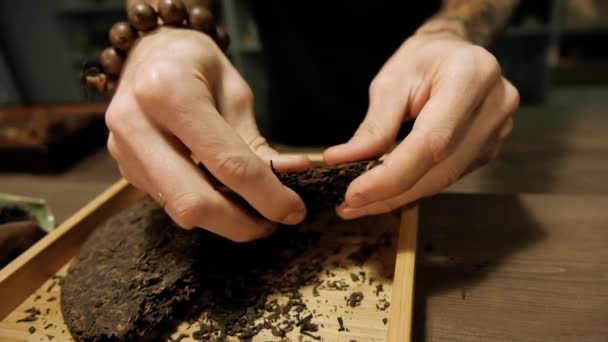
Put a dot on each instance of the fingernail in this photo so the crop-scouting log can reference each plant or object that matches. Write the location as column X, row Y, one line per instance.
column 349, row 213
column 358, row 200
column 295, row 217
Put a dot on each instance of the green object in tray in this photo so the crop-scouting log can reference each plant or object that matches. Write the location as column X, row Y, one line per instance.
column 36, row 208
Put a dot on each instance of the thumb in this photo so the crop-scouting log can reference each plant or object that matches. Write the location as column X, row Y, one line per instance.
column 377, row 133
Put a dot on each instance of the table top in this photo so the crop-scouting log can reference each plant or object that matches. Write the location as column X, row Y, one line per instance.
column 512, row 268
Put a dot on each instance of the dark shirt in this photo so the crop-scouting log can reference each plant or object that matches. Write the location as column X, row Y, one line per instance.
column 321, row 57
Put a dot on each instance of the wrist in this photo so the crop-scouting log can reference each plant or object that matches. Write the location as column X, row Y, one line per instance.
column 443, row 28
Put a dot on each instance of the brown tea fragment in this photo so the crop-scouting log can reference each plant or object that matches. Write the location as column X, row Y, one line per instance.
column 354, row 299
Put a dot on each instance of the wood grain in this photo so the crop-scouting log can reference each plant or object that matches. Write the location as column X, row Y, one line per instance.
column 402, row 300
column 512, row 268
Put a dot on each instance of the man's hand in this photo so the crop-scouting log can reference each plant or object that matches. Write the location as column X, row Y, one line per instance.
column 462, row 106
column 179, row 95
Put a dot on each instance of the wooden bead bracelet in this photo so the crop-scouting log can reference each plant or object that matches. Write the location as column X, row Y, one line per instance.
column 143, row 18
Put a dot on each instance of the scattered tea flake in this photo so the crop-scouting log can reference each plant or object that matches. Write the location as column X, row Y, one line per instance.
column 50, row 287
column 384, row 305
column 354, row 299
column 363, row 275
column 315, row 289
column 48, row 326
column 341, row 323
column 379, row 289
column 339, row 285
column 50, row 337
column 51, row 299
column 354, row 277
column 36, row 298
column 385, row 320
column 32, row 329
column 33, row 311
column 32, row 316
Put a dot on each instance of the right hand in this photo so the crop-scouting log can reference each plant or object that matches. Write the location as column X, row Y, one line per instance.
column 180, row 96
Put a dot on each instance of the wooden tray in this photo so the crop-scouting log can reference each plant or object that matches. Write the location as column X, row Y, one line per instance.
column 33, row 279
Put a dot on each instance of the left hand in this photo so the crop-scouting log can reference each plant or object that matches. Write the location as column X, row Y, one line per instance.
column 463, row 109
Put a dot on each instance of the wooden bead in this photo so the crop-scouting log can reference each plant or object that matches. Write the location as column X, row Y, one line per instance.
column 201, row 19
column 122, row 36
column 111, row 61
column 222, row 38
column 142, row 16
column 172, row 12
column 97, row 81
column 209, row 4
column 111, row 85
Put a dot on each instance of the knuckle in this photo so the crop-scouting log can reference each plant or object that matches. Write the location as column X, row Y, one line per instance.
column 236, row 167
column 153, row 82
column 371, row 129
column 186, row 208
column 243, row 96
column 439, row 144
column 512, row 98
column 477, row 64
column 379, row 86
column 487, row 62
column 115, row 117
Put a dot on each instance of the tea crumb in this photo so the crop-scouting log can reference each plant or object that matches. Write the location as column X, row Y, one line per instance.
column 355, row 299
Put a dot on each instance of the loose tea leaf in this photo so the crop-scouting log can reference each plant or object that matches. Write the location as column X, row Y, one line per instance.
column 355, row 299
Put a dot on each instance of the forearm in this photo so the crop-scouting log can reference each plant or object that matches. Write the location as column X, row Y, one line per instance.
column 478, row 21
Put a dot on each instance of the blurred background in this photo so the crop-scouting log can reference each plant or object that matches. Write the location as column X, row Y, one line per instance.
column 52, row 134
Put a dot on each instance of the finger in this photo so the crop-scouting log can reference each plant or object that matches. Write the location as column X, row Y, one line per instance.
column 444, row 174
column 388, row 102
column 438, row 128
column 236, row 102
column 188, row 198
column 197, row 123
column 126, row 166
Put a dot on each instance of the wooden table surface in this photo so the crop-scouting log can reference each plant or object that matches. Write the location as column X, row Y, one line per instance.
column 512, row 268
column 493, row 265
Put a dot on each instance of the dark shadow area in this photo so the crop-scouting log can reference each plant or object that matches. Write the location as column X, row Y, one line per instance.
column 463, row 239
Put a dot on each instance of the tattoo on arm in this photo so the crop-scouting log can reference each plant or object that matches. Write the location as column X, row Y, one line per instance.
column 478, row 21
